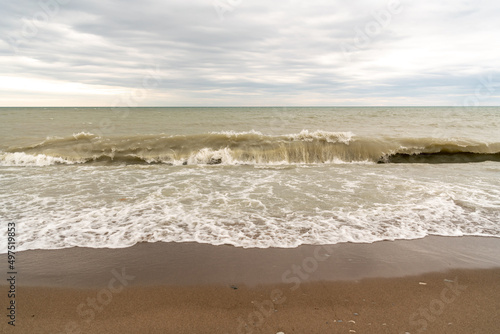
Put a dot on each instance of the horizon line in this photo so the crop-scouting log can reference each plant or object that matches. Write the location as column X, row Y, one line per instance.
column 266, row 106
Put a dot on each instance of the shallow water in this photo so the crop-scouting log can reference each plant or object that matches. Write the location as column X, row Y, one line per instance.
column 251, row 177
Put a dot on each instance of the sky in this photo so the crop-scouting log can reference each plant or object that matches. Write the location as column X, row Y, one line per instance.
column 249, row 53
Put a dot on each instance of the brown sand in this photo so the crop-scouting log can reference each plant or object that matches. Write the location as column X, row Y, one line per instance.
column 432, row 285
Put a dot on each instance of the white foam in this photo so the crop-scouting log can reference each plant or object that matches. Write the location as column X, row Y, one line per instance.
column 52, row 138
column 331, row 137
column 208, row 156
column 232, row 133
column 23, row 159
column 83, row 135
column 261, row 207
column 304, row 135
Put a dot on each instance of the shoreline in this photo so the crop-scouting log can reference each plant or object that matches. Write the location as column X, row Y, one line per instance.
column 194, row 263
column 431, row 285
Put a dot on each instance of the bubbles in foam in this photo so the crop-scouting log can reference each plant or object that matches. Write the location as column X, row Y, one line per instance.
column 207, row 156
column 330, row 137
column 83, row 135
column 257, row 207
column 23, row 159
column 232, row 133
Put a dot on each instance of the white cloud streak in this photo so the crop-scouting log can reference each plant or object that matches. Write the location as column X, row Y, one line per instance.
column 285, row 53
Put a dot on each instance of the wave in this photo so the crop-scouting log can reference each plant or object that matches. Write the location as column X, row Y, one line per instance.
column 23, row 159
column 441, row 157
column 232, row 148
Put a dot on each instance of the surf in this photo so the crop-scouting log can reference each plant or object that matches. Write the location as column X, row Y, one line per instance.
column 247, row 148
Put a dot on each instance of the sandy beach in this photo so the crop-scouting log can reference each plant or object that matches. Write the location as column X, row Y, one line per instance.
column 431, row 285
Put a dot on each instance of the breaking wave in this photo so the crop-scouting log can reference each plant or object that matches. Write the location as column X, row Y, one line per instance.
column 233, row 148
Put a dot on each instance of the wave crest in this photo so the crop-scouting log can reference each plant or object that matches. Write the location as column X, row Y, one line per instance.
column 23, row 159
column 253, row 147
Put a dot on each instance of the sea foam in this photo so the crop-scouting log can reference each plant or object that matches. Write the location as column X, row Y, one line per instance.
column 23, row 159
column 262, row 207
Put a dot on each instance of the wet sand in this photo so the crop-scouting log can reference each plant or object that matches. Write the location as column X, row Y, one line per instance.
column 431, row 285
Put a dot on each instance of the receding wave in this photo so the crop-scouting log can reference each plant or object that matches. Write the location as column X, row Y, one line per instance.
column 232, row 148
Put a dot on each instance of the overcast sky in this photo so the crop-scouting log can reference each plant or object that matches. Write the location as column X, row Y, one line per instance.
column 249, row 53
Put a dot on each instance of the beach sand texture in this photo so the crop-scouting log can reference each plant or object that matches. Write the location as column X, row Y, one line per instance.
column 430, row 285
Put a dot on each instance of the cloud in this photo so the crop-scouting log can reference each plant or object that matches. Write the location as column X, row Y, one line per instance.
column 241, row 52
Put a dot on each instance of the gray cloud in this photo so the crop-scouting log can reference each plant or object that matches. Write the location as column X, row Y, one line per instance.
column 286, row 53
